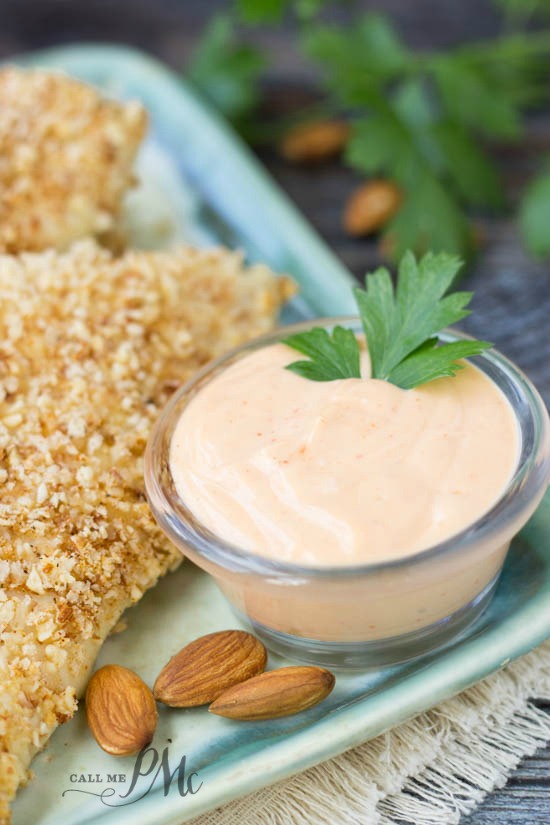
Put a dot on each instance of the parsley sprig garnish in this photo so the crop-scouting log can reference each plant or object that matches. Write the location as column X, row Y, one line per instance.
column 331, row 356
column 401, row 328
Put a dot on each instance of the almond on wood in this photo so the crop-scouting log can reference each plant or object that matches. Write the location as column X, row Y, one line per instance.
column 371, row 206
column 313, row 143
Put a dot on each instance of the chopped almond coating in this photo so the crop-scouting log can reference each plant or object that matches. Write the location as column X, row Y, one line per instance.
column 90, row 348
column 66, row 157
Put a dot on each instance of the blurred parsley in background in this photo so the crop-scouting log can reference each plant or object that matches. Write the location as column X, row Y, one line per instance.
column 424, row 121
column 226, row 71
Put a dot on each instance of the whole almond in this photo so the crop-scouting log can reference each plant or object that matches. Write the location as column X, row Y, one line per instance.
column 371, row 206
column 208, row 666
column 121, row 710
column 281, row 692
column 314, row 142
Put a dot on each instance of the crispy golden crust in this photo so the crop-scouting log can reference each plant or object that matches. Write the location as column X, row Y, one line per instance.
column 66, row 157
column 90, row 348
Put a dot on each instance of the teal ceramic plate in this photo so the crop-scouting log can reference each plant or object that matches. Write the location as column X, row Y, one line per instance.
column 201, row 183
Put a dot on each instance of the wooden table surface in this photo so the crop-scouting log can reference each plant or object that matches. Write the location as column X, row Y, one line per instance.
column 512, row 300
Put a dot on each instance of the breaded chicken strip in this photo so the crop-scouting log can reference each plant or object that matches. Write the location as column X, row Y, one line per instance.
column 66, row 157
column 90, row 348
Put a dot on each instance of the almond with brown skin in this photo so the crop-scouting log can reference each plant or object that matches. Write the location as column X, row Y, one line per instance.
column 281, row 692
column 371, row 206
column 208, row 666
column 121, row 710
column 314, row 142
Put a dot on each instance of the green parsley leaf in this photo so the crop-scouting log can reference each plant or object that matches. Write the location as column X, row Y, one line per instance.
column 400, row 327
column 381, row 143
column 471, row 99
column 272, row 11
column 534, row 214
column 429, row 218
column 225, row 71
column 357, row 60
column 332, row 356
column 306, row 9
column 431, row 361
column 468, row 166
column 261, row 11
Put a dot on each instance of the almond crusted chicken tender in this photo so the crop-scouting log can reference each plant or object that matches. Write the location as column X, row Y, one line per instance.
column 90, row 348
column 66, row 157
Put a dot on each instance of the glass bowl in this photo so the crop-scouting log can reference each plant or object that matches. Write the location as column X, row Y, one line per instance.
column 370, row 615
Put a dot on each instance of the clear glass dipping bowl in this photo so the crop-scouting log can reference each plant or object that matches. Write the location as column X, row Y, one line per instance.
column 370, row 615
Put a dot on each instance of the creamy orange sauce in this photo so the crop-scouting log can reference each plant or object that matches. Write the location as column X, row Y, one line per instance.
column 340, row 472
